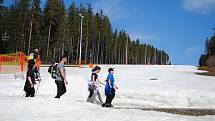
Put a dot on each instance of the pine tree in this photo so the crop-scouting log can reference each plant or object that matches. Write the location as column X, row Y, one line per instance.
column 35, row 37
column 56, row 32
column 54, row 20
column 209, row 52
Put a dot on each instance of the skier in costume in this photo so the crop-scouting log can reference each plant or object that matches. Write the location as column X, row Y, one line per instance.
column 34, row 60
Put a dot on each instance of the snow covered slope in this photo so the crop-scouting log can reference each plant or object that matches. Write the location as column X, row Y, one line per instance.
column 139, row 87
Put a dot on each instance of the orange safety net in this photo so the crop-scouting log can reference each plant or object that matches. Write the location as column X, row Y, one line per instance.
column 14, row 62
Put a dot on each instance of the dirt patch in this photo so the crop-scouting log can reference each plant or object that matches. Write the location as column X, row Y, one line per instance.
column 179, row 111
column 206, row 73
column 189, row 112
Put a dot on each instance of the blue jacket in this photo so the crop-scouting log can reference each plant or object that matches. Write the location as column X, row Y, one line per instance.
column 107, row 87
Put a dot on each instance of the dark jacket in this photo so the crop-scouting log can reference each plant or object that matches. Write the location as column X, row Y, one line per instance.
column 30, row 73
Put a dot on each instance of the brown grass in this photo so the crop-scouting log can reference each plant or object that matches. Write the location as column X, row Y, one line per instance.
column 210, row 71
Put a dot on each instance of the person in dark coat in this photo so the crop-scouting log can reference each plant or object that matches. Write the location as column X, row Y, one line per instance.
column 30, row 82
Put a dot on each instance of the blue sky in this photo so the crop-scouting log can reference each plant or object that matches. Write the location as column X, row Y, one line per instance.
column 180, row 27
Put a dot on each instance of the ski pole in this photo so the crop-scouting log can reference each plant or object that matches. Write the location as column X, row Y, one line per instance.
column 23, row 95
column 37, row 88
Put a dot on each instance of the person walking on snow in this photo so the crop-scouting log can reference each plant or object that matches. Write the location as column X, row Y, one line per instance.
column 34, row 60
column 29, row 83
column 37, row 63
column 61, row 80
column 93, row 86
column 110, row 88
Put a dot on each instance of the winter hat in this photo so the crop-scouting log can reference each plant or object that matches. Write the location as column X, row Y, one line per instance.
column 110, row 69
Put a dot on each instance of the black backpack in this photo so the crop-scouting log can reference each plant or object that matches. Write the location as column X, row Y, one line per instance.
column 53, row 70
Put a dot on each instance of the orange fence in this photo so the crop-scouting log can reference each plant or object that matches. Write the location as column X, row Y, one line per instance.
column 14, row 62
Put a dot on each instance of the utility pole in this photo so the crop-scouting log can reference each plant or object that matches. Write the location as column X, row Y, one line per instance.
column 155, row 57
column 161, row 58
column 126, row 52
column 145, row 54
column 80, row 39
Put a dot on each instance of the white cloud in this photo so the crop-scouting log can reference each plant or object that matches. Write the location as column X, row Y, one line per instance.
column 111, row 8
column 199, row 6
column 143, row 37
column 192, row 50
column 118, row 12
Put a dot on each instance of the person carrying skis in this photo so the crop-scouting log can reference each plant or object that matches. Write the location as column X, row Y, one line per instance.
column 29, row 83
column 61, row 80
column 93, row 86
column 110, row 88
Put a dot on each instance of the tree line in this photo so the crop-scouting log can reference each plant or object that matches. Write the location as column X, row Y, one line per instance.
column 55, row 31
column 208, row 58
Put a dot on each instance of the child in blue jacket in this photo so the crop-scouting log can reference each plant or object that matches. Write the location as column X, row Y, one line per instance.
column 110, row 88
